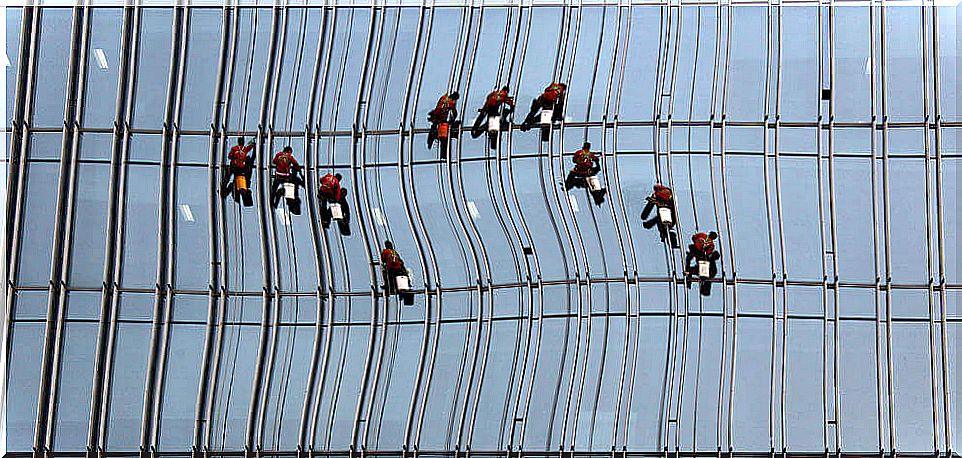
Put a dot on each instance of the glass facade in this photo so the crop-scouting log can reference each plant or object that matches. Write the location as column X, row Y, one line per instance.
column 147, row 313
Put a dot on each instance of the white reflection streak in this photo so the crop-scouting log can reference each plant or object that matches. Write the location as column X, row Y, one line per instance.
column 185, row 211
column 282, row 216
column 473, row 209
column 573, row 202
column 101, row 58
column 378, row 216
column 6, row 60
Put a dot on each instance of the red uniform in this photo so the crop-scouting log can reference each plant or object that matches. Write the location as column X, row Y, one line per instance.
column 391, row 260
column 284, row 164
column 553, row 92
column 662, row 195
column 704, row 245
column 238, row 156
column 584, row 161
column 445, row 105
column 331, row 187
column 496, row 98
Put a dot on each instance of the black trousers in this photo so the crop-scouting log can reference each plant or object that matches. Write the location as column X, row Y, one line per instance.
column 277, row 190
column 539, row 104
column 484, row 114
column 326, row 215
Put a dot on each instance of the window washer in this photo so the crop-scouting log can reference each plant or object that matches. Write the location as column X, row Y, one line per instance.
column 663, row 199
column 702, row 250
column 551, row 100
column 584, row 173
column 498, row 105
column 334, row 199
column 286, row 171
column 443, row 118
column 395, row 274
column 237, row 177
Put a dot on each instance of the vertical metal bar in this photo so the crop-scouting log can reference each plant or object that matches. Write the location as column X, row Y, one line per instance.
column 159, row 325
column 216, row 247
column 266, row 264
column 940, row 230
column 781, row 235
column 53, row 348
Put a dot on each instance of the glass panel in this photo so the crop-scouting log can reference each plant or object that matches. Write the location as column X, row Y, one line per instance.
column 200, row 77
column 295, row 78
column 45, row 145
column 96, row 146
column 89, row 225
column 13, row 23
column 51, row 78
column 179, row 395
column 853, row 64
column 153, row 67
column 36, row 239
column 191, row 238
column 127, row 384
column 23, row 385
column 76, row 376
column 140, row 227
column 799, row 64
column 103, row 64
column 857, row 385
column 252, row 40
column 903, row 63
column 748, row 64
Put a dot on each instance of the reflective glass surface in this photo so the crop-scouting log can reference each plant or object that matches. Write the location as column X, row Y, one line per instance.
column 160, row 299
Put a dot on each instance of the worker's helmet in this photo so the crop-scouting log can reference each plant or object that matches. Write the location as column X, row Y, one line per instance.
column 586, row 146
column 338, row 176
column 288, row 149
column 240, row 141
column 504, row 88
column 454, row 95
column 712, row 235
column 388, row 245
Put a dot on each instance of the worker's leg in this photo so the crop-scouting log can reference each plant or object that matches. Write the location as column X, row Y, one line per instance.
column 432, row 134
column 276, row 190
column 572, row 180
column 478, row 128
column 532, row 115
column 648, row 207
column 345, row 209
column 559, row 109
column 226, row 182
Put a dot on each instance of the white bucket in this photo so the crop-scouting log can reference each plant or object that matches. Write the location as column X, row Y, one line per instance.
column 546, row 116
column 704, row 269
column 403, row 282
column 664, row 214
column 494, row 123
column 336, row 211
column 594, row 184
column 290, row 191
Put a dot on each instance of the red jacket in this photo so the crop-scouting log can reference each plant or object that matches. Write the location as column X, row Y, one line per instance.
column 284, row 163
column 584, row 161
column 330, row 187
column 391, row 260
column 445, row 105
column 238, row 155
column 662, row 195
column 703, row 245
column 553, row 92
column 496, row 98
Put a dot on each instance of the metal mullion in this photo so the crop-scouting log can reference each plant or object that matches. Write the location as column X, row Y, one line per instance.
column 56, row 300
column 930, row 291
column 731, row 244
column 614, row 217
column 404, row 197
column 886, row 236
column 279, row 34
column 98, row 406
column 160, row 327
column 324, row 269
column 538, row 280
column 940, row 241
column 633, row 275
column 355, row 149
column 217, row 249
column 484, row 274
column 268, row 267
column 497, row 211
column 360, row 124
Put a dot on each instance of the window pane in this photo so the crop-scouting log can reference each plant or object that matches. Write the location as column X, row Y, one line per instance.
column 200, row 79
column 89, row 225
column 153, row 67
column 13, row 24
column 36, row 238
column 103, row 64
column 191, row 257
column 140, row 227
column 23, row 385
column 54, row 58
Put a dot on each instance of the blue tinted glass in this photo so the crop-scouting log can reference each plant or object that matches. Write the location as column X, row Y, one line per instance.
column 103, row 64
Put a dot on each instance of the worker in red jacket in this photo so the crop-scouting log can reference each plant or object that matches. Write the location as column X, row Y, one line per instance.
column 702, row 248
column 445, row 111
column 553, row 98
column 498, row 103
column 393, row 266
column 240, row 162
column 660, row 198
column 331, row 191
column 586, row 165
column 286, row 170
